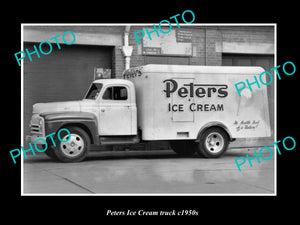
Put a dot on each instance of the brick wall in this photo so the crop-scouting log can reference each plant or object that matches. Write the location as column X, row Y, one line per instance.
column 212, row 36
column 137, row 59
column 207, row 41
column 198, row 41
column 204, row 44
column 256, row 34
column 118, row 62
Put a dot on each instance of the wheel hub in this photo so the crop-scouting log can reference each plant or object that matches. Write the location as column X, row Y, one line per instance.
column 73, row 147
column 214, row 142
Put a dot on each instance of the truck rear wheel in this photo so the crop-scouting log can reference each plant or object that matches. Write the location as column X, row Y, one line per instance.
column 183, row 147
column 76, row 148
column 213, row 143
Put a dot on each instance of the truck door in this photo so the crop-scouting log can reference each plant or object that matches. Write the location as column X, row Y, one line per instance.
column 182, row 112
column 115, row 111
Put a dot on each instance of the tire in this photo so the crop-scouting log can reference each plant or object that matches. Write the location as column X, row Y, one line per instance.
column 50, row 150
column 184, row 148
column 76, row 148
column 50, row 153
column 213, row 143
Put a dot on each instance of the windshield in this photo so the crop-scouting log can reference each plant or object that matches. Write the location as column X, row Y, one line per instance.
column 94, row 91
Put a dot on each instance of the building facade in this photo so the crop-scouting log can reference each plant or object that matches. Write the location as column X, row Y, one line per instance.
column 104, row 51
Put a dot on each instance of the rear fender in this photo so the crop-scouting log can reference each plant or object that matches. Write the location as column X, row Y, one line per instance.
column 214, row 124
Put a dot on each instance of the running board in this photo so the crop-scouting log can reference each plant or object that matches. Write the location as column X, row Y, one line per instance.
column 119, row 140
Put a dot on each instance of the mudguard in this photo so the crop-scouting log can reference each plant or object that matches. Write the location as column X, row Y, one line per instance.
column 85, row 120
column 214, row 124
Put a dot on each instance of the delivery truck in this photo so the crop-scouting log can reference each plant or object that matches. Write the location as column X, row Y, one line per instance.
column 195, row 108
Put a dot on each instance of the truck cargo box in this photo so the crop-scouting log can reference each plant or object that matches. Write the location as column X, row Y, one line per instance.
column 178, row 101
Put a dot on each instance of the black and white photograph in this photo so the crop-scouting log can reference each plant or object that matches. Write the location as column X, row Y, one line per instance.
column 149, row 111
column 175, row 108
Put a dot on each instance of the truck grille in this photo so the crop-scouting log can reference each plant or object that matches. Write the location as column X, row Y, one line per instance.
column 35, row 128
column 37, row 124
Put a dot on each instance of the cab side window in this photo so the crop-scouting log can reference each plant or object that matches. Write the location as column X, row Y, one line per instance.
column 115, row 93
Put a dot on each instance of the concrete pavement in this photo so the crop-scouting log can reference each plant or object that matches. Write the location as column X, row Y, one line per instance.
column 148, row 172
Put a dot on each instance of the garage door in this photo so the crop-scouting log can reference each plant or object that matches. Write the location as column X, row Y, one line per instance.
column 62, row 75
column 266, row 62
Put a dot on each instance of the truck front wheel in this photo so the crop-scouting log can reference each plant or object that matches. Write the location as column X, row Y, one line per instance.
column 76, row 148
column 213, row 143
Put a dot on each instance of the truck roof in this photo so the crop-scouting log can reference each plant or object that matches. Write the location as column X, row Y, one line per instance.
column 161, row 68
column 113, row 81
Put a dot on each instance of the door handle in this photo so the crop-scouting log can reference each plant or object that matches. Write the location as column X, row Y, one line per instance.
column 102, row 110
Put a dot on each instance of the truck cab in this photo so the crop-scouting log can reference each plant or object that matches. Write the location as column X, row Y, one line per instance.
column 113, row 103
column 106, row 115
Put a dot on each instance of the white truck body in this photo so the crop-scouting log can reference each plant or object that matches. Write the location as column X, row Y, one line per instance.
column 205, row 96
column 195, row 108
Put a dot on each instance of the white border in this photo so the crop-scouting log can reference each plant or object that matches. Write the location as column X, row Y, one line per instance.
column 151, row 194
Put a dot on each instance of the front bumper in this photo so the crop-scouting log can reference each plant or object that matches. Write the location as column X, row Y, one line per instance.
column 33, row 139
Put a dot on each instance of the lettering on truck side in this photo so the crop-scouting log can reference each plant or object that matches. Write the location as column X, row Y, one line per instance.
column 198, row 90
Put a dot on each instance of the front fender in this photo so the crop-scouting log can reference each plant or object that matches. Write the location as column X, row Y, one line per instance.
column 85, row 120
